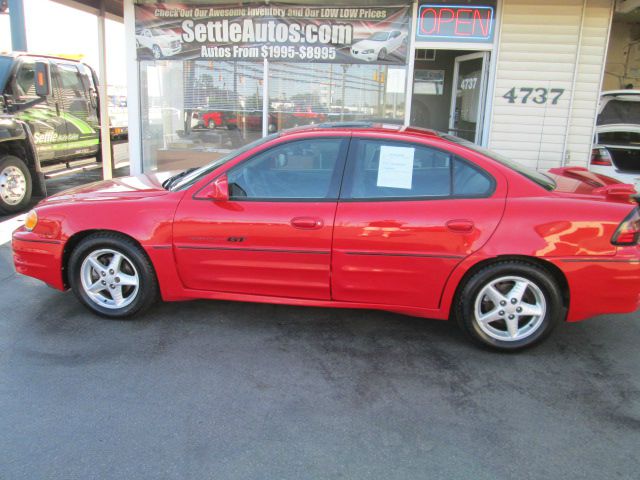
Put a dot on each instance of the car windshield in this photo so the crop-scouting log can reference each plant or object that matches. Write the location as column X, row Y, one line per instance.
column 187, row 178
column 379, row 36
column 541, row 179
column 621, row 110
column 5, row 69
column 159, row 31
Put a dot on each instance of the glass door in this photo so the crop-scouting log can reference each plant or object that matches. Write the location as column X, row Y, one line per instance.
column 468, row 96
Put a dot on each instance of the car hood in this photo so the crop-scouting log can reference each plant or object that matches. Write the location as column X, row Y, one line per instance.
column 367, row 44
column 123, row 188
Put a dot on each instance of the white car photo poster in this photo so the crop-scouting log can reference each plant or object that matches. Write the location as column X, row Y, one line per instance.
column 277, row 32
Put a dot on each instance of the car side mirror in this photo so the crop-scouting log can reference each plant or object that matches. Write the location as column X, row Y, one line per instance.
column 43, row 86
column 219, row 189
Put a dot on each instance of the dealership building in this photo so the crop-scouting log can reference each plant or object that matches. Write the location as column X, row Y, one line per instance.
column 521, row 77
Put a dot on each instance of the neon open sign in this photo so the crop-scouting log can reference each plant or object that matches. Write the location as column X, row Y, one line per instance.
column 455, row 23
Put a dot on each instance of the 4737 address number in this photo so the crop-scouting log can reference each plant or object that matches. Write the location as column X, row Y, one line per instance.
column 535, row 95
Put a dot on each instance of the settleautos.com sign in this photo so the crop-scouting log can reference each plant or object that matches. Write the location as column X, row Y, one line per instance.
column 283, row 33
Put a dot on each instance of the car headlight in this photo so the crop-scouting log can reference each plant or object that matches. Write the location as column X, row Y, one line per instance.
column 370, row 50
column 31, row 220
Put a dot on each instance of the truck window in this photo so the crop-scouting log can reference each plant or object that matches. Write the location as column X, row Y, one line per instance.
column 87, row 77
column 24, row 84
column 70, row 79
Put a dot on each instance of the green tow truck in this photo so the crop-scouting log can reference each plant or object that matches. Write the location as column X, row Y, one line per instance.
column 49, row 113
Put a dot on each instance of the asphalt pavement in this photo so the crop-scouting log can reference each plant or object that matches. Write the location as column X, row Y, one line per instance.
column 222, row 390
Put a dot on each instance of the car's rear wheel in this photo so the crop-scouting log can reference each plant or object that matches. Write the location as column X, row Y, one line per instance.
column 112, row 276
column 509, row 305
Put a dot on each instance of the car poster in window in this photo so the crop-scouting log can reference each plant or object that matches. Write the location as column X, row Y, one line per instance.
column 277, row 32
column 395, row 168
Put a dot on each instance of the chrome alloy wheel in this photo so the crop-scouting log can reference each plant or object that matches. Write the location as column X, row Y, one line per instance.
column 13, row 185
column 109, row 278
column 510, row 308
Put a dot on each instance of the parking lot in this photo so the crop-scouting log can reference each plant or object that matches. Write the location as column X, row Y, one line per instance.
column 249, row 391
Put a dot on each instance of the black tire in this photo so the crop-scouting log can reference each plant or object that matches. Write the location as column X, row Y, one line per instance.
column 464, row 309
column 157, row 52
column 147, row 293
column 382, row 54
column 6, row 204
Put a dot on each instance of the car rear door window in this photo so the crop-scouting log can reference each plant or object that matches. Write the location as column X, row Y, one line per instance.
column 303, row 169
column 381, row 169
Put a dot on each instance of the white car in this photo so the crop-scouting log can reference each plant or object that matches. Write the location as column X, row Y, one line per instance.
column 616, row 149
column 162, row 42
column 378, row 46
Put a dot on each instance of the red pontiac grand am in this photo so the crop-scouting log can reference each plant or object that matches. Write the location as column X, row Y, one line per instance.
column 356, row 216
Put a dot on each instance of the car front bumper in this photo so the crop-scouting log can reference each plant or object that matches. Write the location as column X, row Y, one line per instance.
column 169, row 51
column 38, row 257
column 367, row 57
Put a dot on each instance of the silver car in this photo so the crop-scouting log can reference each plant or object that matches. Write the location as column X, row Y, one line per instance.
column 616, row 149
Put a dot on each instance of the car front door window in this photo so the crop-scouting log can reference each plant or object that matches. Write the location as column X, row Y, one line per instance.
column 299, row 170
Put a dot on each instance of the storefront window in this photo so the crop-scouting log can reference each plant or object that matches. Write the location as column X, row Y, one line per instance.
column 202, row 71
column 195, row 111
column 303, row 94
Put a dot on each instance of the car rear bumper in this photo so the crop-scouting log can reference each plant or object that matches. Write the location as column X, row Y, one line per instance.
column 602, row 285
column 38, row 257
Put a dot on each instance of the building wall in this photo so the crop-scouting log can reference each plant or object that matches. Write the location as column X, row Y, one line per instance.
column 540, row 44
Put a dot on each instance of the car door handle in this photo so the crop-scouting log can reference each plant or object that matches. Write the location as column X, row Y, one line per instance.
column 460, row 225
column 308, row 223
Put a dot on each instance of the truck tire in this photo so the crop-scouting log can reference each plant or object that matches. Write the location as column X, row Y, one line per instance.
column 15, row 184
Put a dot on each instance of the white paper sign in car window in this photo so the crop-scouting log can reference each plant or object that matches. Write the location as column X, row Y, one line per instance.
column 395, row 168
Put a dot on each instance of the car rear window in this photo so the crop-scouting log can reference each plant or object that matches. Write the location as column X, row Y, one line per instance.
column 541, row 179
column 620, row 110
column 619, row 138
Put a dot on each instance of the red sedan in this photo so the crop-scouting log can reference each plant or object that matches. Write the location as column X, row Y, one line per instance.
column 355, row 216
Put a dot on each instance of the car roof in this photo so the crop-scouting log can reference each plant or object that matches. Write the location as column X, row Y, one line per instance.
column 369, row 126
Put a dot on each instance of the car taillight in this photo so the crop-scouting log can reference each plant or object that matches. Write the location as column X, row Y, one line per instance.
column 628, row 233
column 601, row 156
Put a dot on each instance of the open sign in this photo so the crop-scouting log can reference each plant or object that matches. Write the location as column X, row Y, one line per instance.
column 464, row 23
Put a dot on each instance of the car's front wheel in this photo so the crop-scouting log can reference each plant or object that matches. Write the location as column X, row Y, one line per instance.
column 509, row 305
column 112, row 276
column 157, row 53
column 15, row 184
